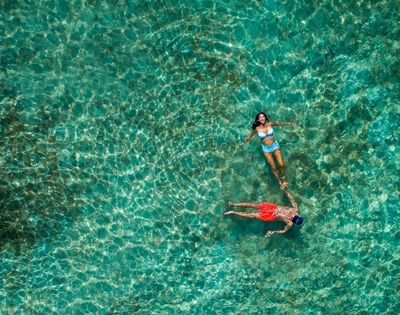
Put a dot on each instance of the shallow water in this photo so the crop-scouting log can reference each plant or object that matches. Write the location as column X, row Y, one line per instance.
column 119, row 129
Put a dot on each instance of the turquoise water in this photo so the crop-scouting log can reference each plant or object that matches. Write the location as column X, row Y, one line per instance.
column 119, row 122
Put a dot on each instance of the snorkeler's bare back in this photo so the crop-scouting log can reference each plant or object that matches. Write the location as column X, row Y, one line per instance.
column 285, row 214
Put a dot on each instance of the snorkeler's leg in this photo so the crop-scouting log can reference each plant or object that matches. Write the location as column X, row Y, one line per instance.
column 243, row 214
column 279, row 158
column 271, row 163
column 244, row 205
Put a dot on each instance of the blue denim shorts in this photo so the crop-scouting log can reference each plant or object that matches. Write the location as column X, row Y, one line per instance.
column 270, row 148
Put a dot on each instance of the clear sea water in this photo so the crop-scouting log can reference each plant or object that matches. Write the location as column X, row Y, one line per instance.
column 119, row 122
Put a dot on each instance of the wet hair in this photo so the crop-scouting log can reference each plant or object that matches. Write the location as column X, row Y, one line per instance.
column 297, row 220
column 256, row 122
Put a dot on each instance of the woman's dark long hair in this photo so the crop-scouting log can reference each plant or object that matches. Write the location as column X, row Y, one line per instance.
column 256, row 122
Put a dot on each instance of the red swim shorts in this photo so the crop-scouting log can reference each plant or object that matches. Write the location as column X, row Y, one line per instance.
column 266, row 211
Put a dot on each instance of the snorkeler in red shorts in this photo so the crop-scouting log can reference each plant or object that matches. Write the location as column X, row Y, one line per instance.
column 271, row 212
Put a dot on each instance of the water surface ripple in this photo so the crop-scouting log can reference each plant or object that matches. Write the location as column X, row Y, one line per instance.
column 119, row 122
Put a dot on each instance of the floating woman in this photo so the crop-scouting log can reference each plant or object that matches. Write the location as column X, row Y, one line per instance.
column 270, row 146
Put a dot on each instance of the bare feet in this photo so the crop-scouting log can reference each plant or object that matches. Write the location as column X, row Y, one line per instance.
column 230, row 204
column 283, row 184
column 228, row 212
column 286, row 190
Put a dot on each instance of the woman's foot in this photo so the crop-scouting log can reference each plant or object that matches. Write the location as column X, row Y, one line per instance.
column 283, row 185
column 230, row 204
column 228, row 212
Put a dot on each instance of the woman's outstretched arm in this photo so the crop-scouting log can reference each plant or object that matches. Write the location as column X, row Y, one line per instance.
column 249, row 136
column 278, row 123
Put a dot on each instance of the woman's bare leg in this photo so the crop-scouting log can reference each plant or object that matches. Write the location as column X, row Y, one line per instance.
column 279, row 158
column 243, row 214
column 244, row 205
column 271, row 162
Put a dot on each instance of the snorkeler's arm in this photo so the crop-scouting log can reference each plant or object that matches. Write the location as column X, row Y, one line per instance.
column 292, row 201
column 277, row 123
column 249, row 136
column 284, row 230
